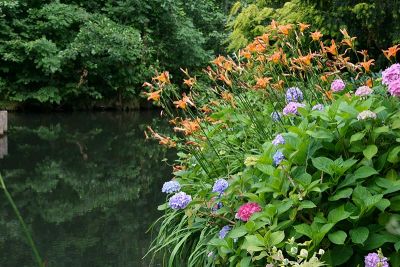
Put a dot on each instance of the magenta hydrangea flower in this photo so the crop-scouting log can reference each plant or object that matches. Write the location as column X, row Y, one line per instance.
column 291, row 108
column 391, row 74
column 337, row 85
column 246, row 210
column 279, row 140
column 394, row 88
column 363, row 91
column 294, row 94
column 179, row 201
column 374, row 260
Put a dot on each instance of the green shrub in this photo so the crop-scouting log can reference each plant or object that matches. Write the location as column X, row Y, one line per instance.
column 330, row 188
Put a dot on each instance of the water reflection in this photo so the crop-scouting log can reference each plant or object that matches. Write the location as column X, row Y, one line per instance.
column 86, row 184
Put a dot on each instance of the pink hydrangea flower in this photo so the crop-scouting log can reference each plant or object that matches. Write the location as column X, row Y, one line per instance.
column 291, row 108
column 337, row 85
column 391, row 74
column 363, row 91
column 246, row 210
column 394, row 88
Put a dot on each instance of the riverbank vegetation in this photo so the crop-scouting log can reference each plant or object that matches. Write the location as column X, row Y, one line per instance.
column 288, row 156
column 96, row 54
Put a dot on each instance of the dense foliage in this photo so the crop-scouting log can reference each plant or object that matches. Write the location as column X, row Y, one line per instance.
column 289, row 158
column 79, row 52
column 375, row 23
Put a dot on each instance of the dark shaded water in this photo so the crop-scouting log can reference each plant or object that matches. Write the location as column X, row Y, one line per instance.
column 87, row 185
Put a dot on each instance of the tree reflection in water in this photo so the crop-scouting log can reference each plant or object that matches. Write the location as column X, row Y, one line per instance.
column 87, row 184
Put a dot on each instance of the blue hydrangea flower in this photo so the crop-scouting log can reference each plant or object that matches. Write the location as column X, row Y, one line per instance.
column 171, row 187
column 279, row 140
column 179, row 200
column 375, row 260
column 319, row 107
column 276, row 116
column 220, row 186
column 224, row 231
column 278, row 157
column 294, row 94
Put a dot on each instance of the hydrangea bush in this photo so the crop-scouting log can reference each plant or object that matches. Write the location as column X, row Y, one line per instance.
column 288, row 156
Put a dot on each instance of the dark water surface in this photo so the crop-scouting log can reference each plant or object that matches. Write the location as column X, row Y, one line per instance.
column 87, row 185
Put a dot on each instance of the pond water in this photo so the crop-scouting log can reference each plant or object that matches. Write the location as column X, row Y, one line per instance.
column 87, row 185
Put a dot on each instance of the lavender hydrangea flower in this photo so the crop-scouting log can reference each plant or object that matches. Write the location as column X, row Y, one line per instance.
column 391, row 74
column 278, row 157
column 366, row 114
column 337, row 85
column 279, row 140
column 224, row 231
column 363, row 91
column 276, row 116
column 319, row 107
column 179, row 200
column 220, row 186
column 171, row 187
column 291, row 108
column 374, row 260
column 394, row 88
column 294, row 94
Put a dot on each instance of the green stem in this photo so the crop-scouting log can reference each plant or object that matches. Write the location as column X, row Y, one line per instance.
column 23, row 225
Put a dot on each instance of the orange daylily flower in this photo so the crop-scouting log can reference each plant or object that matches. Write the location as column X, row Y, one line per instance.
column 218, row 61
column 274, row 24
column 155, row 96
column 391, row 51
column 205, row 109
column 225, row 79
column 189, row 82
column 163, row 140
column 304, row 26
column 228, row 65
column 188, row 126
column 332, row 49
column 275, row 57
column 146, row 84
column 262, row 83
column 245, row 54
column 329, row 94
column 367, row 64
column 163, row 77
column 278, row 85
column 265, row 38
column 324, row 78
column 285, row 29
column 369, row 83
column 183, row 102
column 349, row 41
column 228, row 97
column 316, row 35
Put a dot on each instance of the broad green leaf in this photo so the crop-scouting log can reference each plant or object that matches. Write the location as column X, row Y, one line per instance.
column 393, row 156
column 338, row 237
column 245, row 262
column 370, row 151
column 304, row 229
column 276, row 237
column 238, row 232
column 343, row 193
column 359, row 235
column 323, row 164
column 357, row 136
column 338, row 214
column 307, row 204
